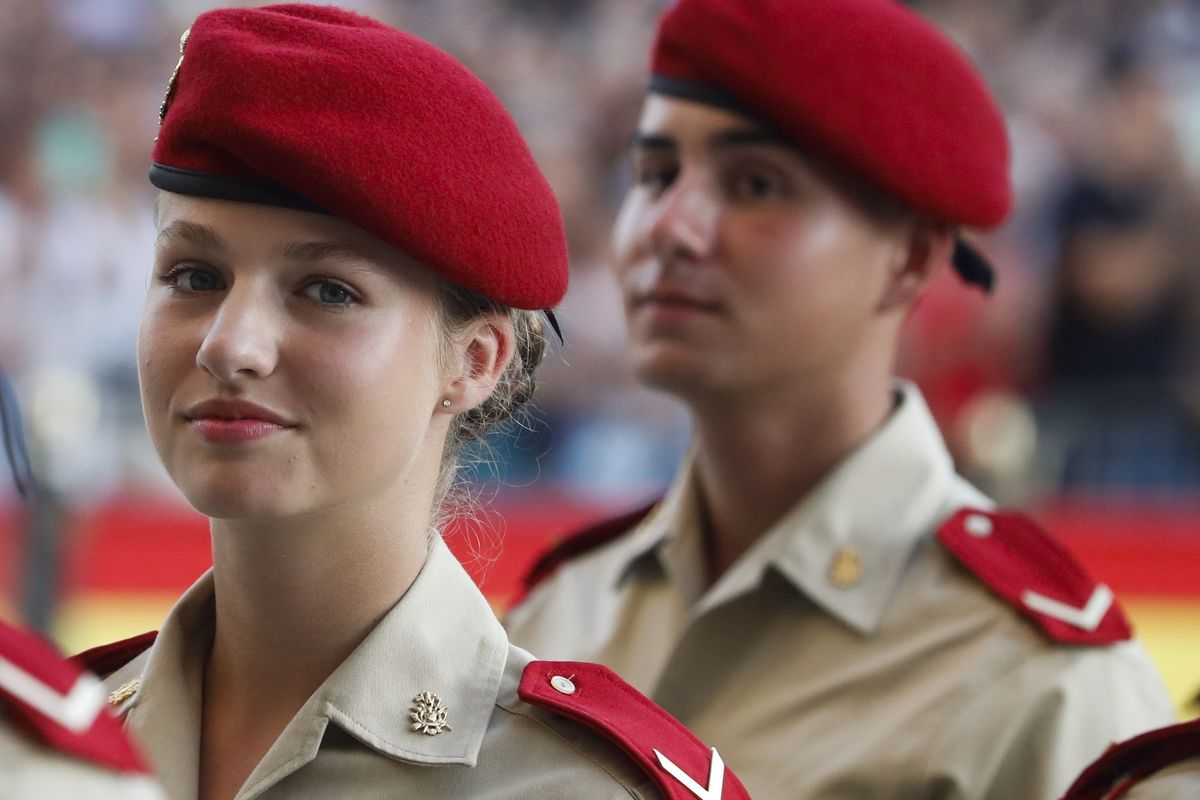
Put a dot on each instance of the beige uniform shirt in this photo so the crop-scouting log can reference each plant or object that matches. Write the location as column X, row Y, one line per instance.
column 29, row 771
column 354, row 736
column 847, row 655
column 1177, row 782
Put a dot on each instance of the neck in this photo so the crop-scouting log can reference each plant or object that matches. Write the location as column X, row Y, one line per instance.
column 759, row 453
column 294, row 598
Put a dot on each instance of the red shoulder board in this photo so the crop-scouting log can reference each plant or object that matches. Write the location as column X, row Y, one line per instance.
column 59, row 705
column 680, row 765
column 1127, row 764
column 576, row 544
column 1029, row 569
column 108, row 658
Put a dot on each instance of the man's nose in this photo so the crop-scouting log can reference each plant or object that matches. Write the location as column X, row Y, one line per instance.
column 685, row 222
column 242, row 340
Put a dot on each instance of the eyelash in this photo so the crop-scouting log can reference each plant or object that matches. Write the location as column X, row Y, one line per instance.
column 171, row 276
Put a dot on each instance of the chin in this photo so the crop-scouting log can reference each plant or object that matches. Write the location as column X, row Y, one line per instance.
column 230, row 496
column 674, row 373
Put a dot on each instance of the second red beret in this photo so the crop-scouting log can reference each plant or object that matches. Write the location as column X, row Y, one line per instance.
column 869, row 85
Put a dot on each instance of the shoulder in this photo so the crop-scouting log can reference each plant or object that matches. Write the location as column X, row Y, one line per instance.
column 581, row 542
column 60, row 706
column 589, row 707
column 106, row 659
column 1029, row 570
column 1129, row 763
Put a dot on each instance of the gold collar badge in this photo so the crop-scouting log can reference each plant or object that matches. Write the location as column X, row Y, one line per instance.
column 162, row 110
column 429, row 714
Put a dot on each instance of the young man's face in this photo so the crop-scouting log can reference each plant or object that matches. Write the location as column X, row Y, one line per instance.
column 741, row 262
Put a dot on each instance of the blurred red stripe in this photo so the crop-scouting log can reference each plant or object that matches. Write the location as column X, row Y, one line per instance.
column 134, row 543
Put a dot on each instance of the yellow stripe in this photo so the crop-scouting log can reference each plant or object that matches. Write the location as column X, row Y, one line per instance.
column 1170, row 630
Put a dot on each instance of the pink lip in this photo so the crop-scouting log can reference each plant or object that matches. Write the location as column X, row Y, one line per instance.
column 224, row 421
column 233, row 431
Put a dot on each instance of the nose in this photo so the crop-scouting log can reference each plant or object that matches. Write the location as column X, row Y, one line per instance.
column 684, row 224
column 242, row 340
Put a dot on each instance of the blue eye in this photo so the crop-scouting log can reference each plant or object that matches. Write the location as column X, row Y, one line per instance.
column 330, row 293
column 193, row 279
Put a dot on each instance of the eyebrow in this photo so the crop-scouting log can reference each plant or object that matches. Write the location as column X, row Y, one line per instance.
column 192, row 232
column 736, row 137
column 321, row 251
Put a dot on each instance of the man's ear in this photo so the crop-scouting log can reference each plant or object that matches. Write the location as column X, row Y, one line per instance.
column 929, row 245
column 481, row 354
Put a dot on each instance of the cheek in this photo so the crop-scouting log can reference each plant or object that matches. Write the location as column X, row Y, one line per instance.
column 817, row 279
column 627, row 239
column 375, row 381
column 162, row 351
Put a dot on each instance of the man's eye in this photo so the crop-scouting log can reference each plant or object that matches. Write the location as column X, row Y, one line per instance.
column 330, row 293
column 655, row 176
column 758, row 186
column 192, row 279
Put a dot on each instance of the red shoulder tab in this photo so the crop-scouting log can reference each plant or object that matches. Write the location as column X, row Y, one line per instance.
column 1127, row 764
column 582, row 541
column 108, row 658
column 682, row 766
column 59, row 705
column 1030, row 570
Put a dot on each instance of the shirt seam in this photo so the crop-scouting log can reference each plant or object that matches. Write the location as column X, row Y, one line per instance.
column 1022, row 660
column 573, row 746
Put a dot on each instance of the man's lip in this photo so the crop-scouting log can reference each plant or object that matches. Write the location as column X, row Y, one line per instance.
column 228, row 409
column 675, row 299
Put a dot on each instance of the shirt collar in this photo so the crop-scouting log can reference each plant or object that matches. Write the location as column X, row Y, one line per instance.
column 165, row 713
column 845, row 545
column 867, row 517
column 441, row 638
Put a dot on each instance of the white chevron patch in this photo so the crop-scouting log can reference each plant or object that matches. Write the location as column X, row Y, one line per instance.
column 76, row 710
column 716, row 776
column 1087, row 618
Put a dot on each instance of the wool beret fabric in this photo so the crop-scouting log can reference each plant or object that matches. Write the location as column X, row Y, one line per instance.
column 322, row 109
column 869, row 85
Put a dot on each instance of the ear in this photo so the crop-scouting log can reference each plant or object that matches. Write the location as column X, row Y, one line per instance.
column 927, row 246
column 481, row 354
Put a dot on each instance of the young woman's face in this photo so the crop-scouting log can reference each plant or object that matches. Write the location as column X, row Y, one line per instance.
column 288, row 361
column 741, row 263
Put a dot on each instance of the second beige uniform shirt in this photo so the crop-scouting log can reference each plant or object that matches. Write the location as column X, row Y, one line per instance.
column 847, row 655
column 354, row 736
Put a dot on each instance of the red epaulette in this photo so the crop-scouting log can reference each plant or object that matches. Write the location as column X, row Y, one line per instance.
column 680, row 765
column 1034, row 573
column 1127, row 764
column 106, row 659
column 59, row 705
column 580, row 542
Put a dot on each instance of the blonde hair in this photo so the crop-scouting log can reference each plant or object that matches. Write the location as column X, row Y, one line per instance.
column 459, row 307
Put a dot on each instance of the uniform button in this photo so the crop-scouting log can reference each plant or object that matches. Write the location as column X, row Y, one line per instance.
column 978, row 525
column 846, row 568
column 562, row 685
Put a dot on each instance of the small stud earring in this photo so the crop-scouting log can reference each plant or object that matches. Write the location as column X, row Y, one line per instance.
column 446, row 403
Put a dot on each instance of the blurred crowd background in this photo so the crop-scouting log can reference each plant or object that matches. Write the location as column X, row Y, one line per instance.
column 1081, row 374
column 1079, row 377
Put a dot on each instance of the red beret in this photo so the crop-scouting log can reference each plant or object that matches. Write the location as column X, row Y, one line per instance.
column 868, row 85
column 321, row 109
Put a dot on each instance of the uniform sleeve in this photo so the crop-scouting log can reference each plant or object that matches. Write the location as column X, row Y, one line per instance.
column 1180, row 782
column 1043, row 721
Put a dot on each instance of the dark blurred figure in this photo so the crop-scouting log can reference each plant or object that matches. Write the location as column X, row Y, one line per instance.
column 1120, row 318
